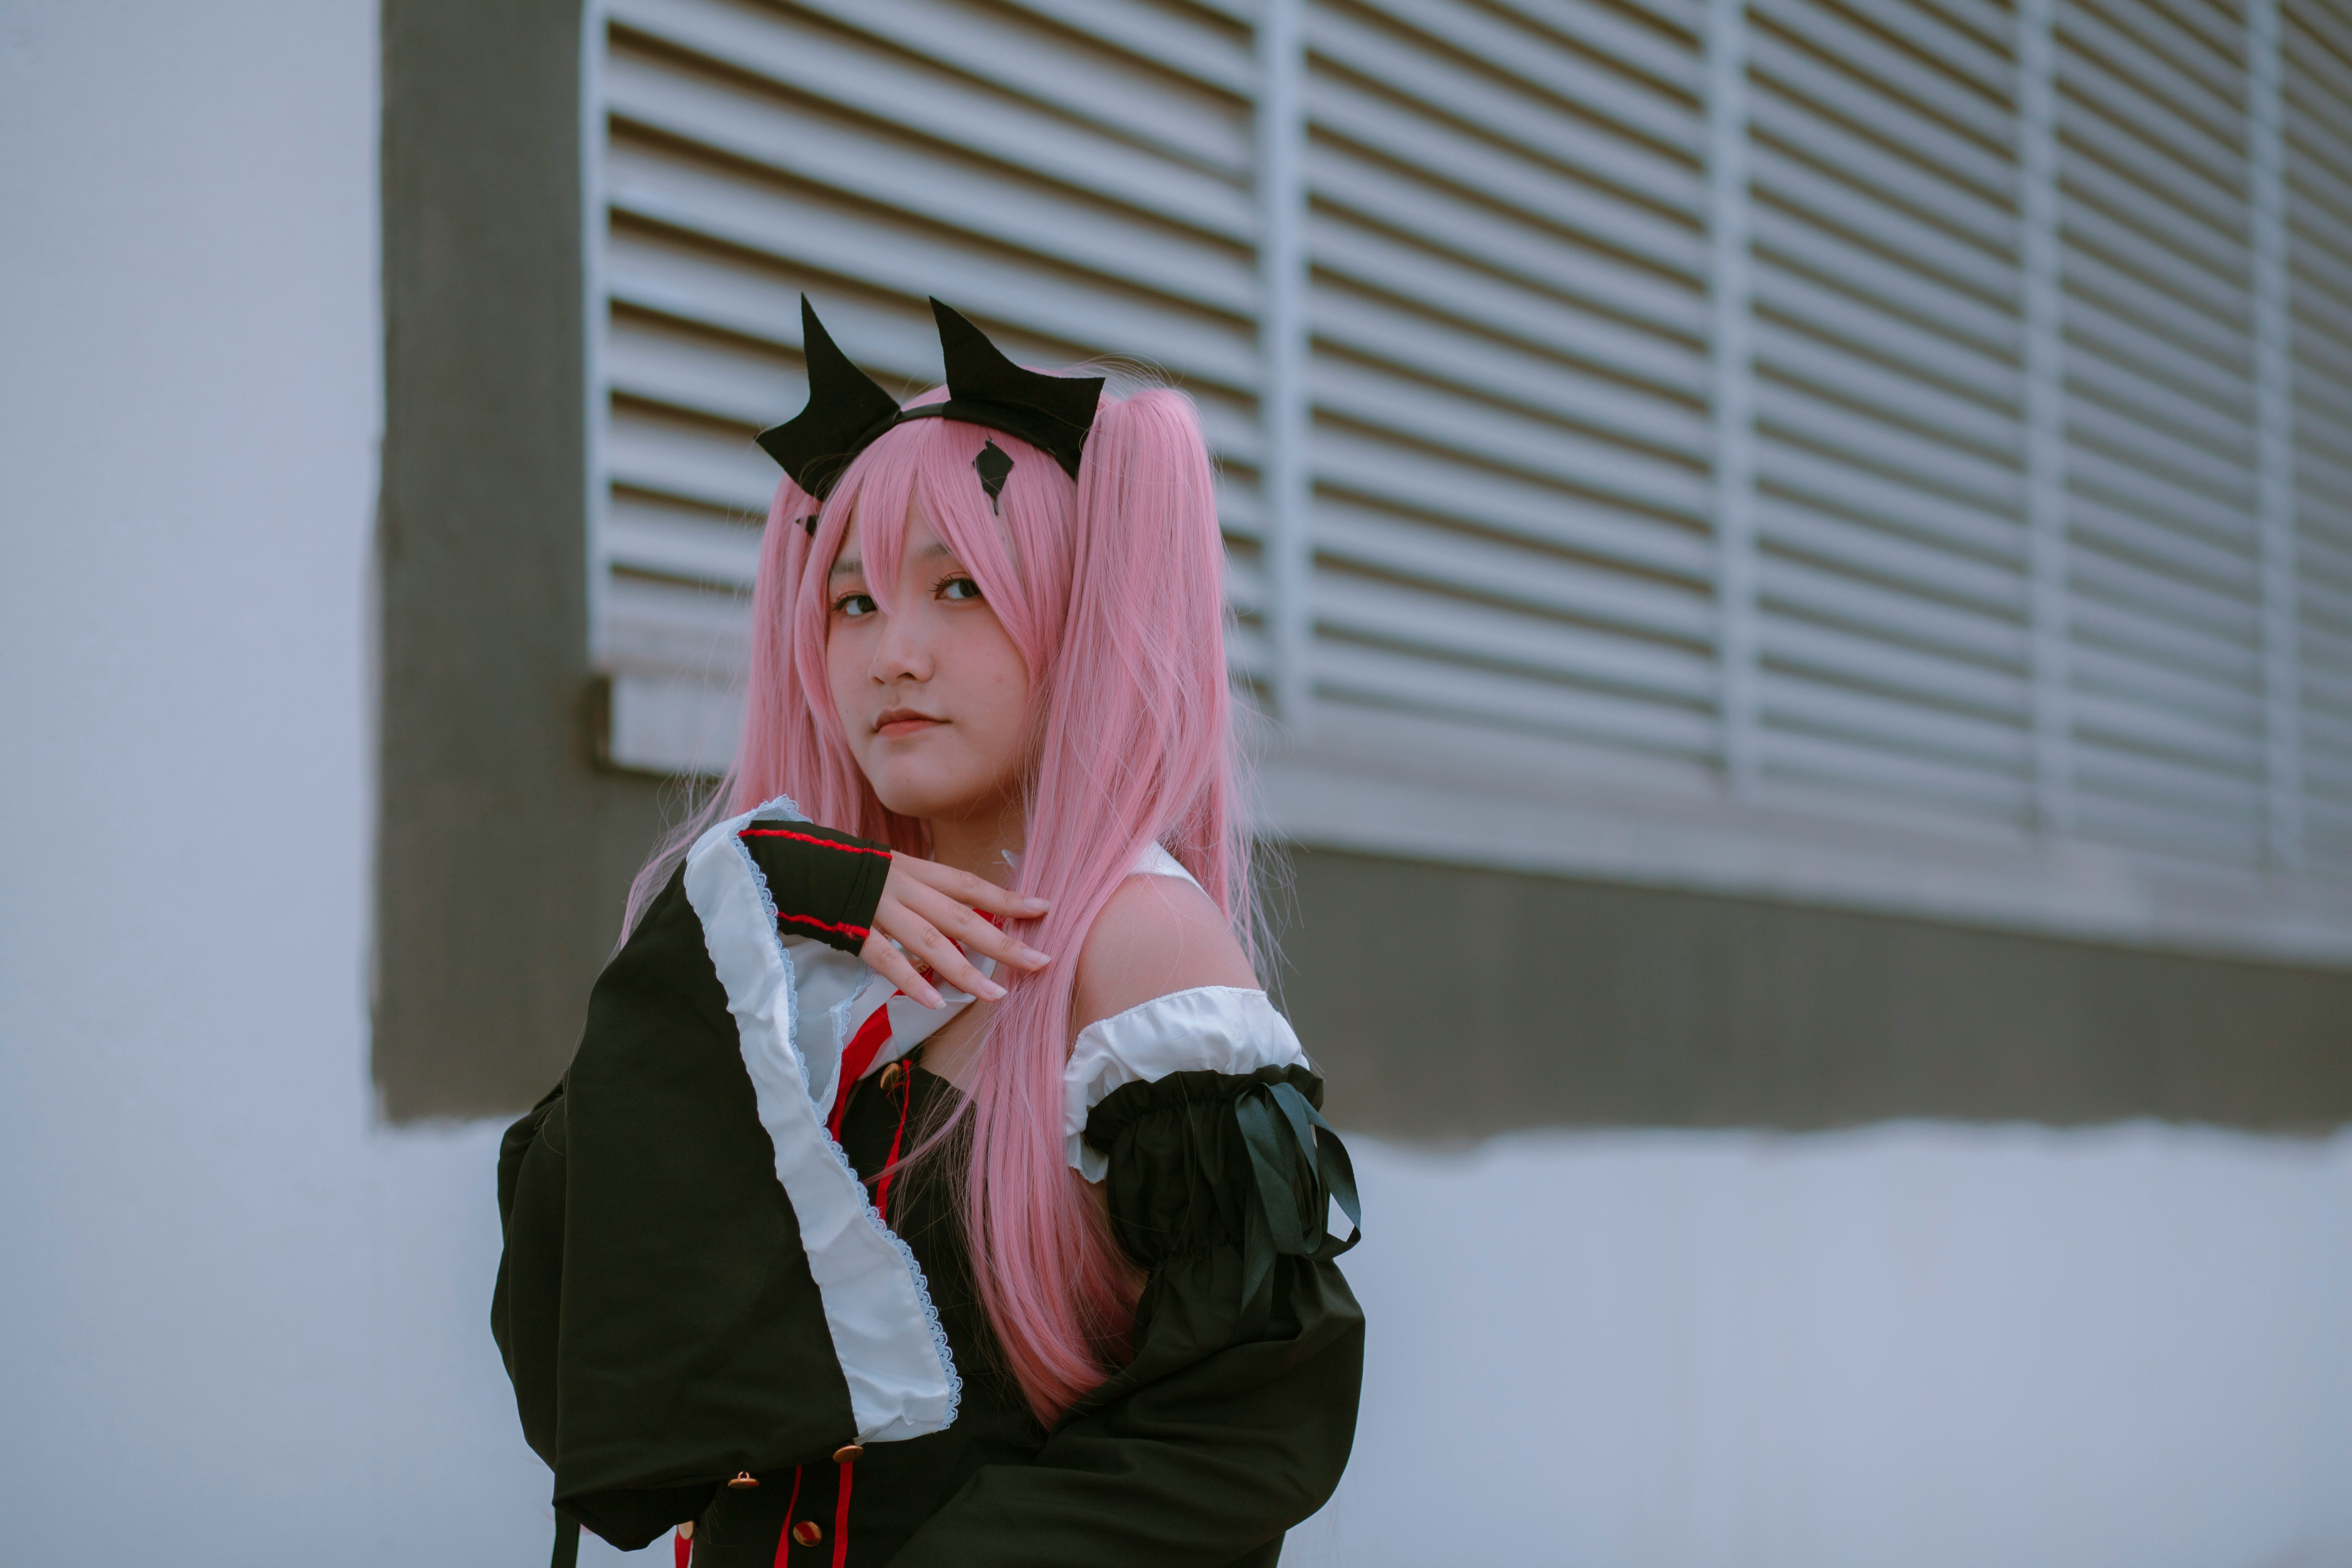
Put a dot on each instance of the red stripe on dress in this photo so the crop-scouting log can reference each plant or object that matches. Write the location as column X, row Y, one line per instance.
column 784, row 1536
column 840, row 1518
column 855, row 1057
column 810, row 838
column 843, row 928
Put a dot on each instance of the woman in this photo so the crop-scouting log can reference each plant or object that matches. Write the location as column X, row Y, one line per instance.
column 934, row 1183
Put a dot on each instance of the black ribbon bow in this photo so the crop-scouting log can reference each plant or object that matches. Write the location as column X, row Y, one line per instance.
column 1301, row 1168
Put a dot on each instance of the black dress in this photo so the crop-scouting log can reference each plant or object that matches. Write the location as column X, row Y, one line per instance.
column 673, row 1321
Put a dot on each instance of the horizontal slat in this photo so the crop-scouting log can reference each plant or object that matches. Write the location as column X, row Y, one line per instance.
column 946, row 106
column 1613, row 36
column 1041, row 63
column 971, row 199
column 2141, row 319
column 1873, row 443
column 2180, row 831
column 1910, row 729
column 704, row 285
column 1936, row 686
column 1922, row 248
column 2191, row 690
column 1918, row 403
column 2227, row 434
column 1159, row 37
column 1872, row 770
column 1342, row 247
column 1518, row 703
column 1892, row 557
column 1517, row 246
column 1878, row 81
column 704, row 464
column 658, row 628
column 2092, row 472
column 1512, row 180
column 1929, row 142
column 2109, row 561
column 1528, row 123
column 2199, row 306
column 1991, row 379
column 1419, row 412
column 1893, row 177
column 1790, row 586
column 1965, row 317
column 1670, row 118
column 2214, row 56
column 2186, row 737
column 2199, row 125
column 2128, row 627
column 2111, row 172
column 1446, row 487
column 1472, row 565
column 1493, row 635
column 1507, row 372
column 647, row 537
column 1907, row 509
column 1975, row 106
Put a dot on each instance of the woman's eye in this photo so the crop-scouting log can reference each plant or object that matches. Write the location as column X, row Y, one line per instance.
column 960, row 588
column 853, row 606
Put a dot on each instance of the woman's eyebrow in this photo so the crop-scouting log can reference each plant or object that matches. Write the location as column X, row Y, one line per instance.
column 846, row 566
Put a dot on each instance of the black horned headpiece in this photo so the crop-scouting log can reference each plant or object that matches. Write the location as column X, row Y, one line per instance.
column 846, row 412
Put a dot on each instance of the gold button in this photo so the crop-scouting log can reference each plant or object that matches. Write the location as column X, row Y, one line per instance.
column 744, row 1482
column 891, row 1077
column 808, row 1533
column 847, row 1452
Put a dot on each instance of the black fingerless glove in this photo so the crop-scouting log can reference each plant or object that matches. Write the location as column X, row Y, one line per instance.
column 825, row 883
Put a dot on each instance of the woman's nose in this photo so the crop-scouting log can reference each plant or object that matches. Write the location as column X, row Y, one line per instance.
column 903, row 652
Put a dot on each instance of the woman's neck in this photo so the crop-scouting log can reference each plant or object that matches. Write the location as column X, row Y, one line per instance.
column 977, row 844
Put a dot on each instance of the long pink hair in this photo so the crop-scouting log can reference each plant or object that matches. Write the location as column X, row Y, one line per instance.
column 1111, row 589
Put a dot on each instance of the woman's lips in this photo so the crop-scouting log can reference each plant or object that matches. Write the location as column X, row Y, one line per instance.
column 896, row 724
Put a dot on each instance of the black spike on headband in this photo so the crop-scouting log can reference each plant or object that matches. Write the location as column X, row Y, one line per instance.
column 846, row 412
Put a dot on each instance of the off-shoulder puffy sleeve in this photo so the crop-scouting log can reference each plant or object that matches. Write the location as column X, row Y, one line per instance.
column 1234, row 1420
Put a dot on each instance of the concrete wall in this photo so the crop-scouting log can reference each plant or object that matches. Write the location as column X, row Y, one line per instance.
column 241, row 1321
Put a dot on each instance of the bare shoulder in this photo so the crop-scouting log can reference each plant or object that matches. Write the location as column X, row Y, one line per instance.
column 1158, row 934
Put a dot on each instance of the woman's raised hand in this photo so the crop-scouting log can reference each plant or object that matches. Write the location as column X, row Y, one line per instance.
column 926, row 908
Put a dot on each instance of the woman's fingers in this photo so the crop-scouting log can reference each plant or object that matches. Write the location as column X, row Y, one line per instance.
column 973, row 930
column 927, row 944
column 883, row 957
column 973, row 892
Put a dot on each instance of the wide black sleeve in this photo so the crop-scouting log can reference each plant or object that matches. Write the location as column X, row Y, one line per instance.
column 654, row 1306
column 1234, row 1418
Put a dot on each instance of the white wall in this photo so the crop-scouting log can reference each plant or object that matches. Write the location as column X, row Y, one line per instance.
column 240, row 1323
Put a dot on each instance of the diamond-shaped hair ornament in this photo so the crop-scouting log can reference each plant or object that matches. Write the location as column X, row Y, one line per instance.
column 845, row 411
column 994, row 467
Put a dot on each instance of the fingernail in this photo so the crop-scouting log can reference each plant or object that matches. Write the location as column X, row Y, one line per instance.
column 991, row 990
column 1031, row 955
column 1036, row 903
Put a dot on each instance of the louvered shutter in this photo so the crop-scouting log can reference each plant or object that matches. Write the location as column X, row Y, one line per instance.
column 1505, row 228
column 1933, row 411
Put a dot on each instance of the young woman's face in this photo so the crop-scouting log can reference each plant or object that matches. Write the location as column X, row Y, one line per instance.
column 932, row 694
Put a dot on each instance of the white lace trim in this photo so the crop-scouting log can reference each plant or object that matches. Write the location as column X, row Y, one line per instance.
column 902, row 1378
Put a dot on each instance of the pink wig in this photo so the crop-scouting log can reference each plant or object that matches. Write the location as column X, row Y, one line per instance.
column 1111, row 589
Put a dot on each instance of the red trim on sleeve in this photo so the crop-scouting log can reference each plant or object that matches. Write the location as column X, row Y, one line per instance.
column 840, row 928
column 811, row 838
